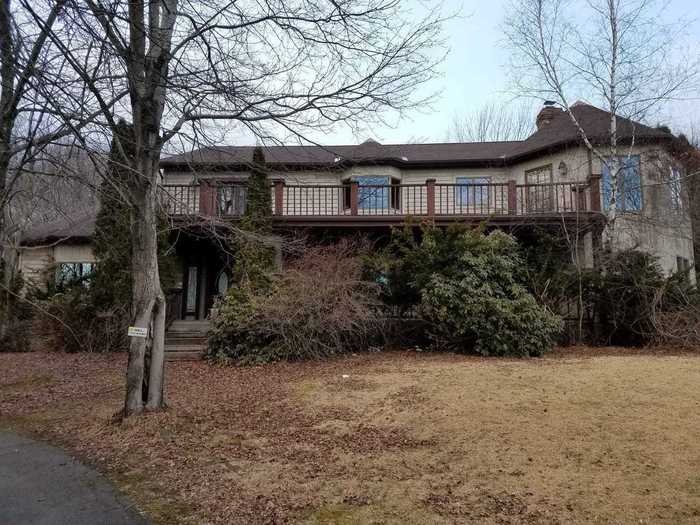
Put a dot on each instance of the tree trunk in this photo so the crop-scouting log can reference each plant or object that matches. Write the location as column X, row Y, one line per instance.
column 145, row 370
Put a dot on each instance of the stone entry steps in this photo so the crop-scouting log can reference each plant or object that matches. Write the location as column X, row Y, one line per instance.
column 186, row 340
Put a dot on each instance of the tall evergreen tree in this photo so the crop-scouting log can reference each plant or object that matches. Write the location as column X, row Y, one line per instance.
column 255, row 257
column 258, row 213
column 112, row 283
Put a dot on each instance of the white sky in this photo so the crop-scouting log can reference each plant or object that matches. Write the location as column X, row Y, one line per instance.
column 474, row 74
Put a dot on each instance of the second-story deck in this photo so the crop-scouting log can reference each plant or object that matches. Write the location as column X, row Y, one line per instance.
column 352, row 204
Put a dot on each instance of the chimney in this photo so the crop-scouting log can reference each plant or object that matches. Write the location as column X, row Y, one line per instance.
column 546, row 114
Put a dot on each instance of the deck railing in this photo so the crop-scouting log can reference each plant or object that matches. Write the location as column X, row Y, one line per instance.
column 419, row 200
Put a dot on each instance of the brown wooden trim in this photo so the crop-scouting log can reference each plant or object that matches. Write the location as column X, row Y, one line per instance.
column 354, row 197
column 361, row 221
column 279, row 197
column 207, row 199
column 512, row 197
column 594, row 192
column 430, row 193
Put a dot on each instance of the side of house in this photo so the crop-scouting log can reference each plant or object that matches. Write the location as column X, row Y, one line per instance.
column 59, row 250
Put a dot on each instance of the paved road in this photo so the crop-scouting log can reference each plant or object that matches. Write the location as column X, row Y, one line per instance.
column 42, row 485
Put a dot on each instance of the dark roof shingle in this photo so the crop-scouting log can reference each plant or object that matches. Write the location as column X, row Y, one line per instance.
column 79, row 226
column 560, row 132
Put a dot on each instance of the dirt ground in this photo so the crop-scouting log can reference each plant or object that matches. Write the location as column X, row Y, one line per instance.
column 581, row 436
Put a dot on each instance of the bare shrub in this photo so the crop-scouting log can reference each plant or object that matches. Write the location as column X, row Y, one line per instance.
column 318, row 307
column 675, row 313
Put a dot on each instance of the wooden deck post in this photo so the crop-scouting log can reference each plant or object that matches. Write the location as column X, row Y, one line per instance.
column 207, row 195
column 354, row 197
column 430, row 191
column 512, row 198
column 279, row 197
column 594, row 192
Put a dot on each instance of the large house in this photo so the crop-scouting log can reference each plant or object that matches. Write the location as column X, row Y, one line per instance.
column 549, row 180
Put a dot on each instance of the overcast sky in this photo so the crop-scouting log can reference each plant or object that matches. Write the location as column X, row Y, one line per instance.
column 475, row 73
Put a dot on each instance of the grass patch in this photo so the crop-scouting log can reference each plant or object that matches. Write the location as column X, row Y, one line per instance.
column 405, row 438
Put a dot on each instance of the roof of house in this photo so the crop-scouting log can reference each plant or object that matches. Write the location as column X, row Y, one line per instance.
column 78, row 227
column 558, row 133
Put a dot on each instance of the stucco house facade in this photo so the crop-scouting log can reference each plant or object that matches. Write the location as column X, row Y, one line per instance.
column 550, row 180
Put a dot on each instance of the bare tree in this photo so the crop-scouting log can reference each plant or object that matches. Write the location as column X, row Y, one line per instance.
column 271, row 66
column 615, row 52
column 493, row 123
column 29, row 71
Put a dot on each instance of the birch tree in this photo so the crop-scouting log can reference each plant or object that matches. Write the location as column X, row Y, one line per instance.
column 615, row 52
column 273, row 66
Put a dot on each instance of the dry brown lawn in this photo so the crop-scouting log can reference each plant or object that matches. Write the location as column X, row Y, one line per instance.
column 581, row 436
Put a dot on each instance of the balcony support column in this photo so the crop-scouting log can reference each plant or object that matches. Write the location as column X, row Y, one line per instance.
column 279, row 197
column 207, row 197
column 430, row 194
column 594, row 192
column 354, row 197
column 512, row 197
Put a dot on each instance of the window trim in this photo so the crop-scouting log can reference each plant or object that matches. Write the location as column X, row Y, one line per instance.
column 548, row 167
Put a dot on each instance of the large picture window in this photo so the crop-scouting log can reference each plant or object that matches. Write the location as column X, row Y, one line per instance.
column 472, row 191
column 373, row 192
column 629, row 184
column 231, row 199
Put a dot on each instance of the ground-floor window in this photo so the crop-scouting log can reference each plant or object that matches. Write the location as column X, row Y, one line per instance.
column 68, row 273
column 683, row 265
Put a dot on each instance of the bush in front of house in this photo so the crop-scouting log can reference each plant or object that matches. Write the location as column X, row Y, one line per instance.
column 15, row 315
column 637, row 304
column 468, row 289
column 319, row 306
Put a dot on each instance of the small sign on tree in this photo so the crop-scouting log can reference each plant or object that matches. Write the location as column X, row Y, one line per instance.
column 137, row 331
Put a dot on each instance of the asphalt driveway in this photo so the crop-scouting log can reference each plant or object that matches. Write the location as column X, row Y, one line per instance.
column 41, row 484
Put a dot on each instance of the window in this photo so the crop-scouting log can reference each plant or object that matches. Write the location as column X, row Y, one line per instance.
column 629, row 184
column 373, row 192
column 68, row 274
column 222, row 283
column 472, row 191
column 676, row 187
column 231, row 199
column 682, row 265
column 539, row 189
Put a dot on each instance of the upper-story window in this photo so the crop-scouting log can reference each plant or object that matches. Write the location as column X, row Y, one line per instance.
column 676, row 187
column 539, row 196
column 629, row 184
column 231, row 199
column 473, row 191
column 374, row 192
